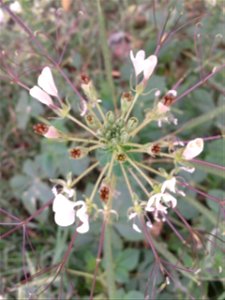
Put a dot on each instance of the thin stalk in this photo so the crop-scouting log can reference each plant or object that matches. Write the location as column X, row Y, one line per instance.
column 131, row 107
column 101, row 111
column 88, row 170
column 93, row 148
column 139, row 182
column 75, row 139
column 109, row 266
column 86, row 275
column 140, row 171
column 98, row 181
column 140, row 127
column 106, row 53
column 149, row 169
column 81, row 124
column 127, row 182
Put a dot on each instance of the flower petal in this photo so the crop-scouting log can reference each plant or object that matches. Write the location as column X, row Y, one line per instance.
column 149, row 66
column 40, row 95
column 62, row 204
column 136, row 228
column 52, row 133
column 193, row 149
column 169, row 184
column 64, row 219
column 138, row 61
column 46, row 82
column 168, row 198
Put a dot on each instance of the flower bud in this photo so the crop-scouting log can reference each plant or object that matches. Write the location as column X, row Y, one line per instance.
column 193, row 149
column 89, row 89
column 132, row 123
column 78, row 152
column 105, row 192
column 91, row 121
column 126, row 100
column 49, row 132
column 110, row 116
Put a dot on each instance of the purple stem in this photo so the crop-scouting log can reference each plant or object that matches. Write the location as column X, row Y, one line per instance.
column 199, row 83
column 215, row 199
column 20, row 22
column 98, row 259
column 208, row 164
column 26, row 221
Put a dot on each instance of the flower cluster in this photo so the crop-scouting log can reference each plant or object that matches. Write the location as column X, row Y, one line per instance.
column 113, row 134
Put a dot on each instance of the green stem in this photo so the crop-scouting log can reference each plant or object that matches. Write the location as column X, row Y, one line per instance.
column 106, row 53
column 98, row 182
column 140, row 171
column 81, row 124
column 86, row 275
column 75, row 139
column 109, row 266
column 88, row 170
column 131, row 107
column 127, row 182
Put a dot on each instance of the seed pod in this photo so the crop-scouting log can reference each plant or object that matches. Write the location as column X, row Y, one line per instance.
column 91, row 121
column 89, row 89
column 78, row 152
column 104, row 192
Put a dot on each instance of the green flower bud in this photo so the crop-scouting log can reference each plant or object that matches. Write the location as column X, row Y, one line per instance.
column 110, row 116
column 132, row 123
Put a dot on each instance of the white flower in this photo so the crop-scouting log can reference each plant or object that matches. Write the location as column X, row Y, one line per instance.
column 193, row 149
column 65, row 213
column 142, row 64
column 159, row 203
column 170, row 184
column 46, row 87
column 16, row 7
column 164, row 115
column 46, row 82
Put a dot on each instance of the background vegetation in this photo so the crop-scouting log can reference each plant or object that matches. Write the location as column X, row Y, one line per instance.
column 28, row 162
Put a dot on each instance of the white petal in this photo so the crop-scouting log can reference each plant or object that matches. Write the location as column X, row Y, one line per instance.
column 54, row 190
column 169, row 198
column 52, row 133
column 83, row 216
column 84, row 227
column 136, row 228
column 162, row 109
column 138, row 61
column 65, row 219
column 193, row 149
column 132, row 215
column 172, row 93
column 170, row 185
column 46, row 82
column 62, row 204
column 40, row 95
column 188, row 169
column 149, row 66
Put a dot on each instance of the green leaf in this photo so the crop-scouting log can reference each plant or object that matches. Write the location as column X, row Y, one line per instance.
column 134, row 295
column 128, row 259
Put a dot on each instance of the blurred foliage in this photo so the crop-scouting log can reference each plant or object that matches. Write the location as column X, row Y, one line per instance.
column 28, row 163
